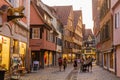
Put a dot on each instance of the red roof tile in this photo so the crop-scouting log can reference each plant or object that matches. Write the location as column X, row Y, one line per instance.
column 87, row 33
column 63, row 13
column 77, row 14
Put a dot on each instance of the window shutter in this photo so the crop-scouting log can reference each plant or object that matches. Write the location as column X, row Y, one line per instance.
column 30, row 33
column 41, row 30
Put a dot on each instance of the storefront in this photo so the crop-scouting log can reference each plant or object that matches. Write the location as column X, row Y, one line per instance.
column 70, row 57
column 118, row 61
column 22, row 52
column 111, row 62
column 48, row 58
column 18, row 56
column 105, row 60
column 4, row 52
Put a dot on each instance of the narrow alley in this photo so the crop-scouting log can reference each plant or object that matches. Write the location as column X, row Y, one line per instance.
column 53, row 73
column 98, row 73
column 39, row 37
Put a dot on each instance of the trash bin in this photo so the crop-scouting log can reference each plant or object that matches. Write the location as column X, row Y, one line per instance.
column 2, row 74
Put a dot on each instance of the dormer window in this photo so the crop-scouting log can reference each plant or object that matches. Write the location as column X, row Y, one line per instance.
column 45, row 16
column 47, row 19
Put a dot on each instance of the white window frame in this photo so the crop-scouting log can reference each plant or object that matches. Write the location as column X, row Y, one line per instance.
column 33, row 33
column 116, row 20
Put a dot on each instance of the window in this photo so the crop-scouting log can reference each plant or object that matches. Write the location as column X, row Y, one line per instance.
column 35, row 33
column 15, row 46
column 48, row 35
column 105, row 59
column 51, row 37
column 111, row 60
column 47, row 19
column 117, row 20
column 105, row 32
column 59, row 42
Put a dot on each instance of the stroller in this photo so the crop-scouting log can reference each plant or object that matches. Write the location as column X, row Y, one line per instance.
column 85, row 66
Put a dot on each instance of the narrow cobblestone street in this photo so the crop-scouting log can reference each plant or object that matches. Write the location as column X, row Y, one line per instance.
column 98, row 73
column 53, row 73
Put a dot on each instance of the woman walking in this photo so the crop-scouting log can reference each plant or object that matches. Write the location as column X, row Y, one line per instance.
column 64, row 63
column 60, row 63
column 75, row 64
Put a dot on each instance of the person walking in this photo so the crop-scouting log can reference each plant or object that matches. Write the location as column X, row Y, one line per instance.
column 90, row 62
column 75, row 64
column 60, row 63
column 64, row 63
column 81, row 64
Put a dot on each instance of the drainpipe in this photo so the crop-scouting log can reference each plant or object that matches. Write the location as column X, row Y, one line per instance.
column 114, row 50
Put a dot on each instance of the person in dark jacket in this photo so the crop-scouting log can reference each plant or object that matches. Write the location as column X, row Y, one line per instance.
column 60, row 63
column 75, row 64
column 64, row 63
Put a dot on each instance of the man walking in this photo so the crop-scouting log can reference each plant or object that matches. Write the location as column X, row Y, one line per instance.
column 60, row 63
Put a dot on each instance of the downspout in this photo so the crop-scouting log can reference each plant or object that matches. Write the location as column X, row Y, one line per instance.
column 114, row 48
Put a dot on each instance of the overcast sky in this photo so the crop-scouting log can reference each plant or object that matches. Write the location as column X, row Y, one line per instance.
column 84, row 5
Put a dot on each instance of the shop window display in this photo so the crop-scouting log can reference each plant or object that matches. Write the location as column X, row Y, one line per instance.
column 16, row 66
column 22, row 51
column 50, row 58
column 46, row 58
column 4, row 52
column 16, row 62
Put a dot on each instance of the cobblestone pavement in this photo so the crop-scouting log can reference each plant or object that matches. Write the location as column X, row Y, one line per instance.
column 98, row 73
column 51, row 73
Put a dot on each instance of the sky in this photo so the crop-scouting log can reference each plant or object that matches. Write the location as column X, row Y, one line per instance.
column 84, row 5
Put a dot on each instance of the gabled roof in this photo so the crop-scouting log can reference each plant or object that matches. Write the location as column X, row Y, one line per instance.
column 41, row 12
column 88, row 32
column 63, row 13
column 77, row 14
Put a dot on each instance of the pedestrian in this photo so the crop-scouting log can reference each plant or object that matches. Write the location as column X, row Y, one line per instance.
column 81, row 64
column 75, row 63
column 64, row 63
column 90, row 62
column 78, row 61
column 60, row 63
